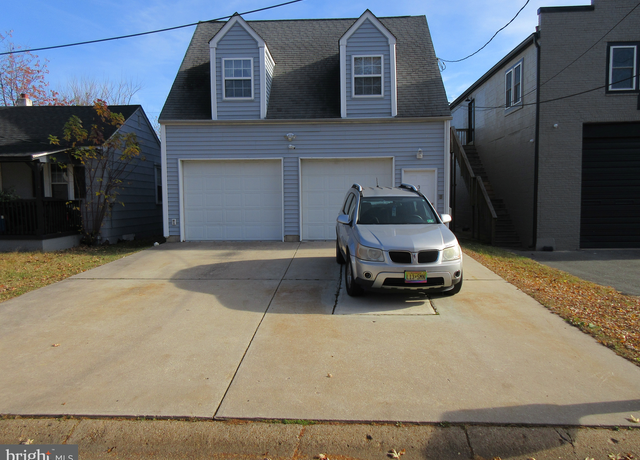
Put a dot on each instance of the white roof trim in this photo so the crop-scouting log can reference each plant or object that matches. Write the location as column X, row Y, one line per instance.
column 370, row 16
column 230, row 23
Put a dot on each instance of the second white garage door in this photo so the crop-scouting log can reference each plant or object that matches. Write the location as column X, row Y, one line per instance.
column 233, row 200
column 324, row 184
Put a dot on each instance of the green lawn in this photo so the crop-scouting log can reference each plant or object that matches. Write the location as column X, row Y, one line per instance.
column 21, row 272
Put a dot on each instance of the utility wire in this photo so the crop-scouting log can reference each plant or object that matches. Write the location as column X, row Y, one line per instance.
column 586, row 51
column 556, row 98
column 144, row 33
column 592, row 46
column 569, row 65
column 491, row 39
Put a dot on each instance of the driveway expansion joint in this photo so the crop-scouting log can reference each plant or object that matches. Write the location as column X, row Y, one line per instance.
column 335, row 303
column 275, row 292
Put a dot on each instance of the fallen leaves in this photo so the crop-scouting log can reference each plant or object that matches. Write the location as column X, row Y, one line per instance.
column 27, row 441
column 633, row 419
column 395, row 454
column 621, row 457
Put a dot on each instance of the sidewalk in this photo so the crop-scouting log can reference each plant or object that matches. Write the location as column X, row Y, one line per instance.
column 172, row 439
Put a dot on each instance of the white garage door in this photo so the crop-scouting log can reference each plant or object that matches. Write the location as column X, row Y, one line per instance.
column 324, row 185
column 233, row 200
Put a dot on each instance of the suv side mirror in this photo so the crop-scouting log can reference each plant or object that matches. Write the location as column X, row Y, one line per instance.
column 446, row 218
column 344, row 219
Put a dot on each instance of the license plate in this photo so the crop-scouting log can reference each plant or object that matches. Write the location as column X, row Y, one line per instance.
column 415, row 277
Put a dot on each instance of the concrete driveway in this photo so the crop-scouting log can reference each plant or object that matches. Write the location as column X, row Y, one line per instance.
column 265, row 331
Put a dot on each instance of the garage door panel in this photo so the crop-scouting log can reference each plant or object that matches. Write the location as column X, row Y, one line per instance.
column 324, row 185
column 233, row 200
column 610, row 186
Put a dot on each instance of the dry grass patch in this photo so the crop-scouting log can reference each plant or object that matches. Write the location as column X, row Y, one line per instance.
column 606, row 314
column 21, row 272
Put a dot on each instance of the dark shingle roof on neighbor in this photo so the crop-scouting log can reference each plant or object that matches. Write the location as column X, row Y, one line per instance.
column 25, row 130
column 306, row 81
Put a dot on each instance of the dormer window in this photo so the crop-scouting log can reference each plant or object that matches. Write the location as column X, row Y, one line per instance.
column 367, row 76
column 238, row 78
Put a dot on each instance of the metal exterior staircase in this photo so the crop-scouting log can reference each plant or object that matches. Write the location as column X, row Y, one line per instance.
column 505, row 234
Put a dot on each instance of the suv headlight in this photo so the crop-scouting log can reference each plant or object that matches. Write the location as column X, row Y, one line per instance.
column 371, row 254
column 451, row 253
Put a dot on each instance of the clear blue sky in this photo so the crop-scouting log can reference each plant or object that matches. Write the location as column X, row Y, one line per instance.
column 458, row 28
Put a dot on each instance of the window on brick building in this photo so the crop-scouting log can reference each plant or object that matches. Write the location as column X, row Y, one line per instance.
column 513, row 86
column 622, row 67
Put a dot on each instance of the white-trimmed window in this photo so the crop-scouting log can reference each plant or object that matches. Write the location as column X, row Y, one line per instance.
column 513, row 86
column 622, row 72
column 238, row 78
column 367, row 76
column 59, row 182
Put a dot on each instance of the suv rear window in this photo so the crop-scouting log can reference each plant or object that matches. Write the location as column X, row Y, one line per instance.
column 396, row 210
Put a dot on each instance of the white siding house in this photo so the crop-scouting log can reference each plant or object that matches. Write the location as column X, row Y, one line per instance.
column 268, row 124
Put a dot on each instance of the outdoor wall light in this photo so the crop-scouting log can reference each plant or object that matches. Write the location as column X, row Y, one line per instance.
column 555, row 125
column 290, row 136
column 419, row 154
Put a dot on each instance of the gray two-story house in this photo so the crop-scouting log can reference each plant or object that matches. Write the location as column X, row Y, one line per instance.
column 268, row 123
column 556, row 124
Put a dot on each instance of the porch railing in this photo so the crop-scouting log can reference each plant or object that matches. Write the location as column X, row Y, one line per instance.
column 464, row 135
column 22, row 217
column 484, row 216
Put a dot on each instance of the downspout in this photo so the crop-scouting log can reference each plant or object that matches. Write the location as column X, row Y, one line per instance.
column 537, row 145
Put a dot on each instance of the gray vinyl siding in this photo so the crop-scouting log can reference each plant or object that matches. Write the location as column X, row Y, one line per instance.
column 368, row 41
column 236, row 44
column 322, row 140
column 140, row 214
column 269, row 68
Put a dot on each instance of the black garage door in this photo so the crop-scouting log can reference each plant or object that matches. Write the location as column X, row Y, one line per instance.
column 610, row 186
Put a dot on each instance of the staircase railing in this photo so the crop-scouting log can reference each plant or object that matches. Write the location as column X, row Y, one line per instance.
column 484, row 216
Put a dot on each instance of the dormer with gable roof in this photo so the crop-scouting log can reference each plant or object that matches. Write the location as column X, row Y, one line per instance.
column 368, row 77
column 241, row 72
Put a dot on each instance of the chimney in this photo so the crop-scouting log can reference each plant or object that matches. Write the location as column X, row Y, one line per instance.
column 24, row 101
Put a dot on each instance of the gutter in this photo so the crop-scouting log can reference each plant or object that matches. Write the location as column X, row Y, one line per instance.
column 537, row 145
column 313, row 121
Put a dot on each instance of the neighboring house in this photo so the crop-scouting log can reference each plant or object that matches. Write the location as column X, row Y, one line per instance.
column 556, row 124
column 268, row 124
column 46, row 214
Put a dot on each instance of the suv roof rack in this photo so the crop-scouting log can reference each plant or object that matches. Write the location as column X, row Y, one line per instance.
column 410, row 187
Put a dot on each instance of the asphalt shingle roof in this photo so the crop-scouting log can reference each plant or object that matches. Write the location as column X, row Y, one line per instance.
column 306, row 81
column 25, row 130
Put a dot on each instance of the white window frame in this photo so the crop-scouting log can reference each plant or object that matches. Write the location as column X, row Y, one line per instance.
column 354, row 76
column 510, row 85
column 224, row 80
column 634, row 79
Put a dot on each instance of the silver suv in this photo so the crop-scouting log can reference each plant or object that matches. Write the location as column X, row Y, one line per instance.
column 393, row 238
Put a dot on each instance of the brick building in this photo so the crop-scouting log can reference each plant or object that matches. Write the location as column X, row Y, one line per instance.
column 556, row 124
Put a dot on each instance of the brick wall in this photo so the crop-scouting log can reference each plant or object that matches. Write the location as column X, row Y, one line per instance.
column 565, row 35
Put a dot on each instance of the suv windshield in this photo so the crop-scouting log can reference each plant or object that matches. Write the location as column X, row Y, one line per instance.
column 395, row 210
